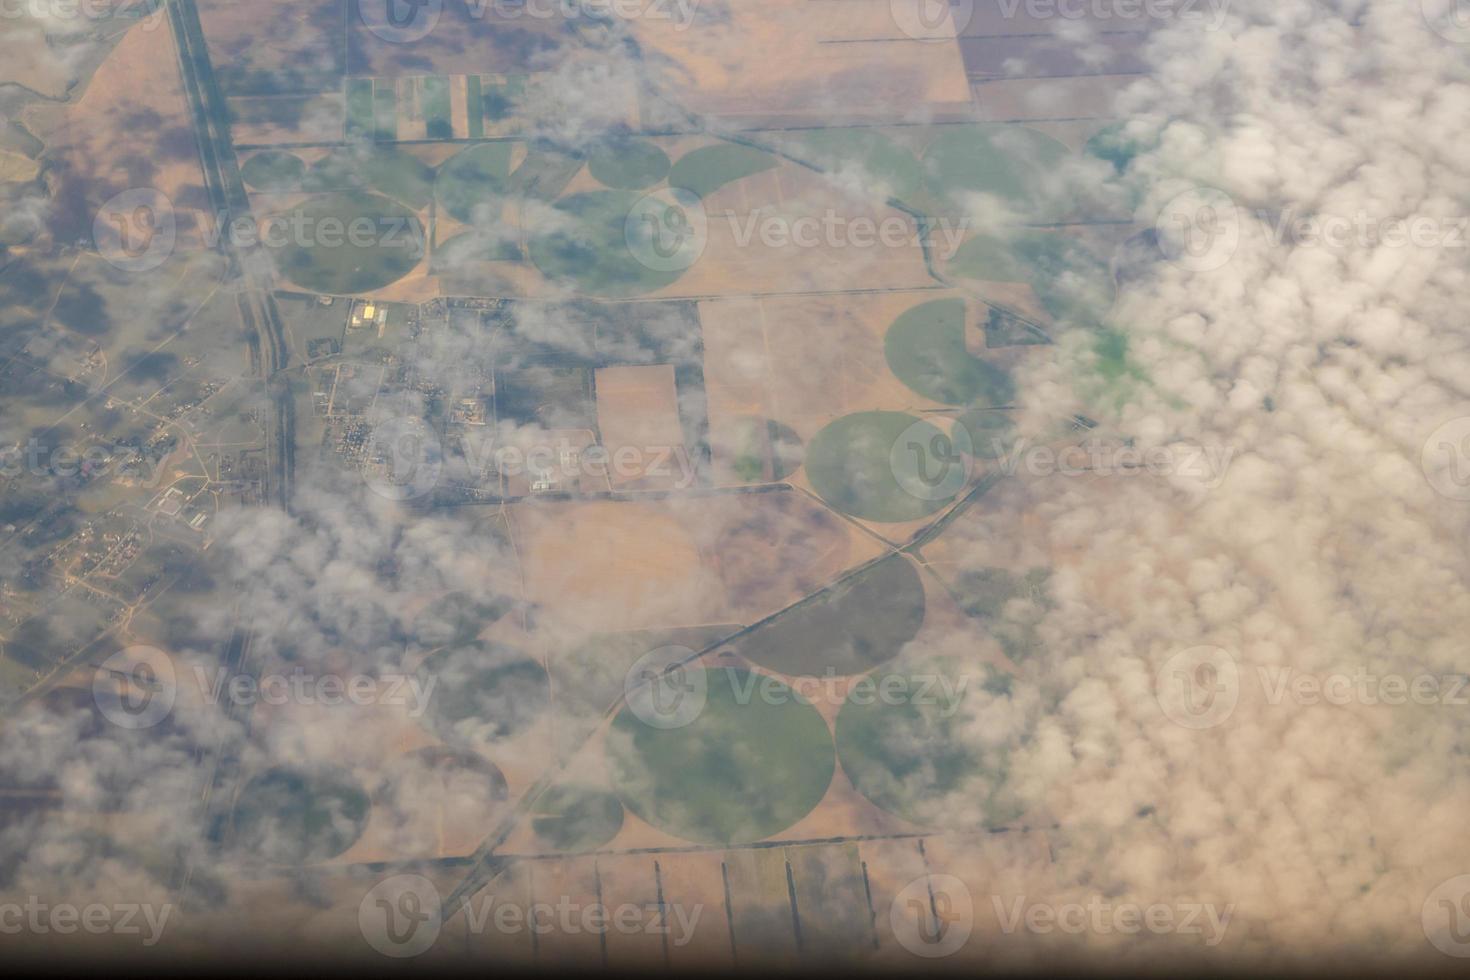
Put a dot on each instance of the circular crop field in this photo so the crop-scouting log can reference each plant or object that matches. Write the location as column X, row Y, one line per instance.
column 576, row 818
column 389, row 171
column 289, row 816
column 273, row 171
column 926, row 350
column 850, row 464
column 847, row 629
column 472, row 184
column 345, row 243
column 753, row 762
column 628, row 164
column 593, row 252
column 1010, row 163
column 483, row 693
column 1069, row 279
column 911, row 755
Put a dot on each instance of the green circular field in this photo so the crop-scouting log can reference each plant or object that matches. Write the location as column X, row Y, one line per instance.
column 881, row 162
column 926, row 350
column 592, row 251
column 628, row 164
column 471, row 247
column 708, row 168
column 845, row 630
column 390, row 171
column 1070, row 280
column 289, row 816
column 273, row 171
column 472, row 184
column 576, row 818
column 345, row 243
column 909, row 752
column 483, row 692
column 849, row 464
column 1010, row 163
column 739, row 772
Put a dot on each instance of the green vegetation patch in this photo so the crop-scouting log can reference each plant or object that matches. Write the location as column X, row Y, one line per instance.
column 350, row 243
column 914, row 755
column 926, row 350
column 847, row 629
column 470, row 247
column 766, row 450
column 472, row 184
column 1071, row 281
column 754, row 761
column 883, row 164
column 385, row 109
column 709, row 168
column 849, row 463
column 483, row 692
column 1010, row 605
column 576, row 818
column 434, row 100
column 390, row 171
column 360, row 108
column 591, row 250
column 273, row 170
column 1011, row 163
column 629, row 164
column 290, row 816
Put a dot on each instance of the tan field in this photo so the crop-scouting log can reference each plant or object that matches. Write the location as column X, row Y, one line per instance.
column 638, row 414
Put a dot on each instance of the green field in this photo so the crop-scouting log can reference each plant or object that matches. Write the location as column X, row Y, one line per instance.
column 473, row 183
column 576, row 818
column 628, row 164
column 389, row 171
column 991, row 433
column 434, row 100
column 1069, row 279
column 738, row 772
column 926, row 350
column 484, row 692
column 917, row 755
column 385, row 109
column 1010, row 163
column 328, row 260
column 360, row 108
column 709, row 168
column 847, row 629
column 849, row 463
column 474, row 108
column 288, row 816
column 883, row 165
column 273, row 171
column 766, row 450
column 593, row 253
